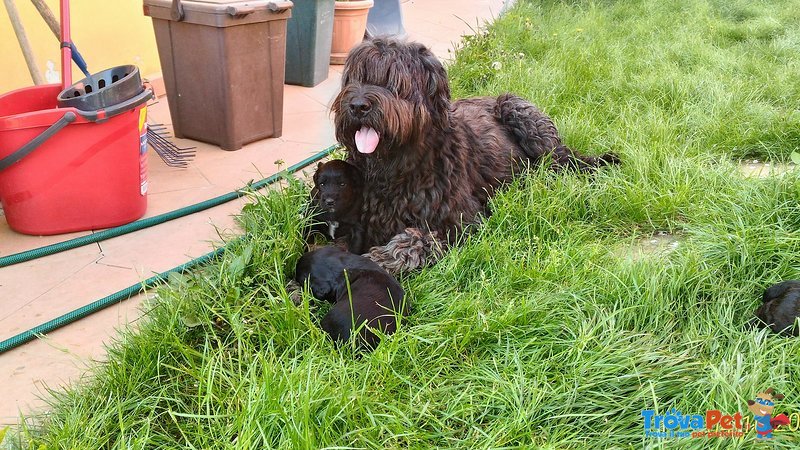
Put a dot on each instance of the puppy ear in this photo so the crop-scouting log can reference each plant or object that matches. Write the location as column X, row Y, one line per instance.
column 315, row 177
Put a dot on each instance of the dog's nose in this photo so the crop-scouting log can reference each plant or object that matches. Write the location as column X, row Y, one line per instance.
column 329, row 202
column 360, row 107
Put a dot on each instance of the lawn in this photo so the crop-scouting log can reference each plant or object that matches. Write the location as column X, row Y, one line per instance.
column 548, row 326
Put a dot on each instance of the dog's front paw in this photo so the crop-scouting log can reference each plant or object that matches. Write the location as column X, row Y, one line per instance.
column 410, row 250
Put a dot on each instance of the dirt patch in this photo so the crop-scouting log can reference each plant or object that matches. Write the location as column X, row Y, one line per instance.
column 657, row 245
column 758, row 169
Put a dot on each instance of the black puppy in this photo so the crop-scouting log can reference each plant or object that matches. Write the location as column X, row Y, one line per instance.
column 337, row 196
column 780, row 308
column 373, row 300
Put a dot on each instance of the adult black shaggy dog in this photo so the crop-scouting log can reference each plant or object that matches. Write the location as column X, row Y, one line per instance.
column 430, row 164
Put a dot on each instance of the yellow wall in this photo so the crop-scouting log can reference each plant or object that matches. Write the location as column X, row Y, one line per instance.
column 107, row 33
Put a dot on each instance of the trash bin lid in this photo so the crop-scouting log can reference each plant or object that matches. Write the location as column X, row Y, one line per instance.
column 218, row 13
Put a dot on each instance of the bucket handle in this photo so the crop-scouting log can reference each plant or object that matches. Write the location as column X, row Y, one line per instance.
column 26, row 149
column 68, row 118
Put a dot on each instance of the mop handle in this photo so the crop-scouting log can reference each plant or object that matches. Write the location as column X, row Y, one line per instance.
column 55, row 27
column 66, row 49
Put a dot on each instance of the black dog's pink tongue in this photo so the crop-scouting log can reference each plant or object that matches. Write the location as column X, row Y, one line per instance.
column 367, row 140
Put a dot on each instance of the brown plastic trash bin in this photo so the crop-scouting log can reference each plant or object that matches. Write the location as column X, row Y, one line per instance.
column 223, row 64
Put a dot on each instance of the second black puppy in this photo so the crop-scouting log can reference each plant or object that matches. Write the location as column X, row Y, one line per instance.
column 337, row 193
column 373, row 300
column 780, row 308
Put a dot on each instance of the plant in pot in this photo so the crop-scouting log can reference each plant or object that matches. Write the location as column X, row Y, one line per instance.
column 349, row 26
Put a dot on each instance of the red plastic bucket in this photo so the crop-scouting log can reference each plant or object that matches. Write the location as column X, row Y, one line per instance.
column 65, row 170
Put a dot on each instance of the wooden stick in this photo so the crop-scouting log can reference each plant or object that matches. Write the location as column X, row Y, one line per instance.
column 24, row 44
column 48, row 17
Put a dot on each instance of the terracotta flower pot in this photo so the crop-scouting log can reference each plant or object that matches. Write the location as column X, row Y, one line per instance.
column 349, row 25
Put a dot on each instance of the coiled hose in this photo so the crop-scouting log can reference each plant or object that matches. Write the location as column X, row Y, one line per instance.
column 130, row 291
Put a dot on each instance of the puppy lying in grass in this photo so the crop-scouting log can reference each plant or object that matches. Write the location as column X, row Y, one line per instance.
column 337, row 200
column 780, row 308
column 366, row 297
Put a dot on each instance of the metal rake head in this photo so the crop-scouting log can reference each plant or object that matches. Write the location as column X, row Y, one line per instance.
column 171, row 154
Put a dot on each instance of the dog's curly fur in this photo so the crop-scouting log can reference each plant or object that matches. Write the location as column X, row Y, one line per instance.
column 410, row 249
column 437, row 162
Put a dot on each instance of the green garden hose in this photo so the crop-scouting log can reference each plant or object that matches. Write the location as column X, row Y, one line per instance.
column 104, row 302
column 155, row 220
column 130, row 291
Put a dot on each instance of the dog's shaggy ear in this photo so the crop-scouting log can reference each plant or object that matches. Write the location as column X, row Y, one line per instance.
column 437, row 85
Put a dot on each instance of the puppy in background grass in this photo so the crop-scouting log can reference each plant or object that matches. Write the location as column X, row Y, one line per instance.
column 366, row 297
column 780, row 308
column 337, row 198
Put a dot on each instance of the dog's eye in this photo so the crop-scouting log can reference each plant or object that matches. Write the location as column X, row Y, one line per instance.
column 321, row 184
column 341, row 184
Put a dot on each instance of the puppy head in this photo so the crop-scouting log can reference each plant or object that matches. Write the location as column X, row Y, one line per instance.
column 393, row 93
column 316, row 270
column 337, row 185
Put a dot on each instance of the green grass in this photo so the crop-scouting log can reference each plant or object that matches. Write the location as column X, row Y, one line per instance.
column 536, row 332
column 696, row 76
